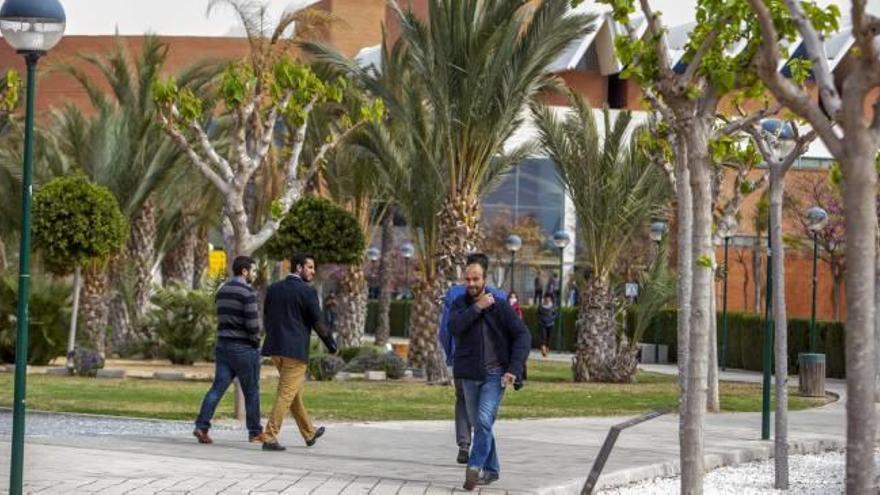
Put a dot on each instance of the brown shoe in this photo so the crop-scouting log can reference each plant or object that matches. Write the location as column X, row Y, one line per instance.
column 257, row 438
column 471, row 478
column 202, row 436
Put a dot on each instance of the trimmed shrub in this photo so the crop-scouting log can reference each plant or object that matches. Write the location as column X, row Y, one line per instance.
column 349, row 353
column 324, row 368
column 48, row 320
column 320, row 227
column 390, row 363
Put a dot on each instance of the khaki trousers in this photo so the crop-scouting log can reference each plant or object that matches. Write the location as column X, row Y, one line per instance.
column 291, row 385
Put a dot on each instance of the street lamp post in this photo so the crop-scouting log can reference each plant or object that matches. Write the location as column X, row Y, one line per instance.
column 658, row 230
column 407, row 251
column 32, row 28
column 816, row 218
column 513, row 244
column 561, row 240
column 726, row 230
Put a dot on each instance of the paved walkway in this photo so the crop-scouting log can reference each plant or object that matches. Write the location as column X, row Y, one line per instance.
column 538, row 456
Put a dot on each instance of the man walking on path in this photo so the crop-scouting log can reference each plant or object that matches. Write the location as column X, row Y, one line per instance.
column 463, row 429
column 291, row 312
column 491, row 348
column 237, row 353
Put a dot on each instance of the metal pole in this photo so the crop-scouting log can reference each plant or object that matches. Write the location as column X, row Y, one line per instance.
column 405, row 301
column 559, row 322
column 656, row 326
column 21, row 342
column 724, row 308
column 768, row 348
column 512, row 278
column 813, row 343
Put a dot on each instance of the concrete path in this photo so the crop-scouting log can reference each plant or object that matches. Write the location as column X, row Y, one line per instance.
column 538, row 456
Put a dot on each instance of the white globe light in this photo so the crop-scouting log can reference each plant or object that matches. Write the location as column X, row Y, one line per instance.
column 32, row 25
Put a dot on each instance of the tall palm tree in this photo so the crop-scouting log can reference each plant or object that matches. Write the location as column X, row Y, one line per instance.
column 122, row 147
column 616, row 191
column 482, row 62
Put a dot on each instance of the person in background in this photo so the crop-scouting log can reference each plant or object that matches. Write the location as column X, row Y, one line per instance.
column 329, row 314
column 539, row 288
column 546, row 322
column 463, row 428
column 237, row 352
column 513, row 299
column 552, row 287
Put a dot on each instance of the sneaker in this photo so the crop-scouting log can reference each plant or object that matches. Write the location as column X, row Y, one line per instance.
column 318, row 434
column 487, row 477
column 273, row 447
column 463, row 456
column 202, row 436
column 471, row 478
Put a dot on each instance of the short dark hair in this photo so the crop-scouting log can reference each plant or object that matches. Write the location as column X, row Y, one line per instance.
column 478, row 259
column 240, row 264
column 300, row 259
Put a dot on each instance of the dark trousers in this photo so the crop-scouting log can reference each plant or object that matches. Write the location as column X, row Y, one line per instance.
column 546, row 335
column 463, row 428
column 234, row 359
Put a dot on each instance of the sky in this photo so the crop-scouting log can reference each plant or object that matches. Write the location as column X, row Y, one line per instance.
column 188, row 17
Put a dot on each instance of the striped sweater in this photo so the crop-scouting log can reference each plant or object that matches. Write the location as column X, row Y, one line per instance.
column 237, row 315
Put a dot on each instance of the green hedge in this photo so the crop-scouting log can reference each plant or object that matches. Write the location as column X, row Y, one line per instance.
column 745, row 336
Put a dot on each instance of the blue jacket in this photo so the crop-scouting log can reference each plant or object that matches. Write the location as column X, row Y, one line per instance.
column 507, row 332
column 446, row 339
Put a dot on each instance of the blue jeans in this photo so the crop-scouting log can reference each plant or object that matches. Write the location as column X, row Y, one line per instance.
column 482, row 398
column 234, row 360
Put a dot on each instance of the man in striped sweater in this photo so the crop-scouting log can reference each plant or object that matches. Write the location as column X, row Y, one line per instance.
column 237, row 354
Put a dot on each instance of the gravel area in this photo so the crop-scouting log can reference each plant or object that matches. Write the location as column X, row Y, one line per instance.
column 70, row 425
column 818, row 474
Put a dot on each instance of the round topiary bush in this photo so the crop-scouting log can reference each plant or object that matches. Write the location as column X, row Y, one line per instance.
column 320, row 227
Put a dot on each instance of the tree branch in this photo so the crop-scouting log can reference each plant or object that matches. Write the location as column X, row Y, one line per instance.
column 803, row 143
column 183, row 143
column 657, row 31
column 239, row 140
column 816, row 48
column 785, row 91
column 740, row 124
column 704, row 48
column 209, row 150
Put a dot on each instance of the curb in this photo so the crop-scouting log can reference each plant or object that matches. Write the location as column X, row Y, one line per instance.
column 712, row 461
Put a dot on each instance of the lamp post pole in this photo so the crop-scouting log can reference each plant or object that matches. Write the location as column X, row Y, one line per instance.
column 658, row 230
column 768, row 348
column 407, row 251
column 813, row 343
column 561, row 239
column 724, row 306
column 513, row 244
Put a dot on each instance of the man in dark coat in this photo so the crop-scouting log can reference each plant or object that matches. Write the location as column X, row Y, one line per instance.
column 291, row 312
column 491, row 348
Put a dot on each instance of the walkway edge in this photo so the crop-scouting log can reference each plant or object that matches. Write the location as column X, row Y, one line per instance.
column 712, row 461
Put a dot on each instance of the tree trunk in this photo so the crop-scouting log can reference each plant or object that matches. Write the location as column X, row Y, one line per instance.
column 383, row 329
column 599, row 357
column 459, row 235
column 200, row 257
column 876, row 318
column 685, row 221
column 780, row 439
column 178, row 265
column 859, row 199
column 352, row 306
column 4, row 263
column 141, row 256
column 713, row 398
column 74, row 315
column 692, row 463
column 94, row 306
column 424, row 349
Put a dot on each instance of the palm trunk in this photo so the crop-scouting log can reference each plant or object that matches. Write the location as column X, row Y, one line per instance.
column 383, row 329
column 94, row 306
column 141, row 255
column 200, row 257
column 178, row 265
column 692, row 462
column 352, row 306
column 859, row 198
column 424, row 351
column 780, row 440
column 459, row 235
column 599, row 356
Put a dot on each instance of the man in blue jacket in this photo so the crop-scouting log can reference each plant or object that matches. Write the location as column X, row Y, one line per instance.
column 463, row 428
column 491, row 348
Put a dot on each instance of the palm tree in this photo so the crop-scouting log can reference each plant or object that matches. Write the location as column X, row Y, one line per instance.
column 616, row 190
column 122, row 147
column 481, row 62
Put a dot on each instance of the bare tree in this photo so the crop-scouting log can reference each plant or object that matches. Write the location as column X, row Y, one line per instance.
column 852, row 136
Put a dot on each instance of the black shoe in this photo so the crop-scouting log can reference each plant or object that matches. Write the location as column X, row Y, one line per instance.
column 463, row 456
column 202, row 436
column 318, row 434
column 487, row 477
column 471, row 478
column 274, row 446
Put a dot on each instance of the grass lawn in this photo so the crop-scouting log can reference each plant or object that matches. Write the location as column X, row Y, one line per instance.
column 548, row 393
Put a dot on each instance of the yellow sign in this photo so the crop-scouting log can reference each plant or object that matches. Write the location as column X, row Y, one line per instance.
column 217, row 263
